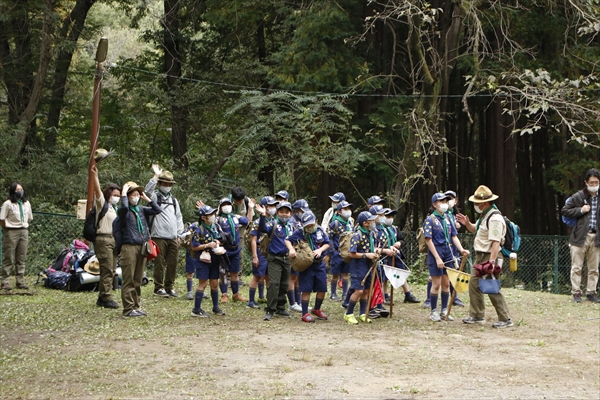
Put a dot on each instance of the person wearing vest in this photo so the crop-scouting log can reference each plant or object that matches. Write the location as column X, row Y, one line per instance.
column 134, row 234
column 104, row 245
column 489, row 231
column 339, row 225
column 15, row 216
column 584, row 241
column 165, row 229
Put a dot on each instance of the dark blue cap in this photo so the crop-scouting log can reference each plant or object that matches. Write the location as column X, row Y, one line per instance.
column 284, row 204
column 365, row 216
column 301, row 204
column 376, row 209
column 438, row 197
column 206, row 210
column 283, row 194
column 344, row 204
column 450, row 193
column 374, row 200
column 339, row 196
column 268, row 200
column 308, row 218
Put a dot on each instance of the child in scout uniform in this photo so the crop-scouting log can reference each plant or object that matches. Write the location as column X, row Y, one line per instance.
column 335, row 200
column 206, row 238
column 363, row 253
column 282, row 195
column 278, row 230
column 440, row 236
column 231, row 224
column 191, row 261
column 314, row 278
column 340, row 224
column 375, row 200
column 259, row 261
column 294, row 294
column 452, row 211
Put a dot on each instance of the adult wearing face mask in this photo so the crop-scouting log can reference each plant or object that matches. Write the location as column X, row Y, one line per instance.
column 104, row 245
column 15, row 216
column 165, row 230
column 584, row 241
column 133, row 233
column 489, row 231
column 440, row 237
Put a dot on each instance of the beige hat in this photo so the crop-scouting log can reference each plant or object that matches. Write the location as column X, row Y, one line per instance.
column 101, row 154
column 166, row 176
column 482, row 195
column 92, row 267
column 134, row 186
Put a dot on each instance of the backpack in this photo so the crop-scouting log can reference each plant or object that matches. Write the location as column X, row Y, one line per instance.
column 117, row 228
column 304, row 256
column 265, row 241
column 421, row 240
column 570, row 222
column 344, row 246
column 512, row 240
column 160, row 200
column 90, row 226
column 57, row 280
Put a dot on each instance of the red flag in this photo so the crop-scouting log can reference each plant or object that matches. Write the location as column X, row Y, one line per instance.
column 377, row 296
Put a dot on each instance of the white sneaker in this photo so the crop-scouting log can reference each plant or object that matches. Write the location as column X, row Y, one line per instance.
column 444, row 315
column 296, row 307
column 435, row 316
column 189, row 296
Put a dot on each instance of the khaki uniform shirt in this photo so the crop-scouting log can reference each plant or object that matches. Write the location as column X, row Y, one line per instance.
column 105, row 227
column 12, row 216
column 489, row 232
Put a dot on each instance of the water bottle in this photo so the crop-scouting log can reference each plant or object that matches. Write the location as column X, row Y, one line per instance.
column 513, row 262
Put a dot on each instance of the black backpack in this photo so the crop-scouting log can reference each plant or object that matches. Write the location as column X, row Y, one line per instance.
column 90, row 226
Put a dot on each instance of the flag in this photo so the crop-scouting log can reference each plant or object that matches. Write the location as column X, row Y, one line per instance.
column 396, row 276
column 377, row 297
column 458, row 279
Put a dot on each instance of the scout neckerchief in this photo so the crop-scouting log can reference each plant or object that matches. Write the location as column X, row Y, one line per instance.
column 482, row 217
column 212, row 230
column 140, row 226
column 444, row 225
column 371, row 241
column 342, row 221
column 21, row 210
column 308, row 236
column 231, row 225
column 391, row 235
column 277, row 221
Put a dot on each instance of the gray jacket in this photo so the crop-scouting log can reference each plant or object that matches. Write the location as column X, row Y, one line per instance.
column 573, row 210
column 169, row 223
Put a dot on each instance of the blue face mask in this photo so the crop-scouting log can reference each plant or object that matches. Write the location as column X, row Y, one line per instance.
column 284, row 220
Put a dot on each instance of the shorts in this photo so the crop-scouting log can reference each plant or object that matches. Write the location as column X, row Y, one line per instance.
column 206, row 271
column 337, row 265
column 234, row 263
column 191, row 263
column 261, row 269
column 313, row 279
column 294, row 272
column 446, row 255
column 358, row 269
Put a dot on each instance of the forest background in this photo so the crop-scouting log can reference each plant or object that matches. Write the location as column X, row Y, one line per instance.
column 395, row 98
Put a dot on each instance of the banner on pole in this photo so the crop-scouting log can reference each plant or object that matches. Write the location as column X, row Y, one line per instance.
column 396, row 276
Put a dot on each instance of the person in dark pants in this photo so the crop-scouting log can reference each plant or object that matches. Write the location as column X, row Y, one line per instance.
column 278, row 261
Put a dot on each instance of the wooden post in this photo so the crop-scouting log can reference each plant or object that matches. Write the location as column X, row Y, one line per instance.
column 392, row 290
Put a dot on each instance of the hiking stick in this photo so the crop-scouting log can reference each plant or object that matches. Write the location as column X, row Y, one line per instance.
column 462, row 264
column 369, row 298
column 392, row 290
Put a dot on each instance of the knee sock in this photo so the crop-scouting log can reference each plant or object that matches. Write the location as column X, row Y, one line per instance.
column 251, row 294
column 261, row 290
column 434, row 299
column 214, row 294
column 351, row 305
column 235, row 286
column 291, row 297
column 198, row 300
column 304, row 307
column 344, row 287
column 363, row 307
column 223, row 287
column 429, row 290
column 189, row 285
column 298, row 295
column 333, row 286
column 445, row 296
column 318, row 303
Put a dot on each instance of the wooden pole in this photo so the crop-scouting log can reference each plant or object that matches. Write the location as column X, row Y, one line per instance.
column 462, row 264
column 373, row 277
column 392, row 290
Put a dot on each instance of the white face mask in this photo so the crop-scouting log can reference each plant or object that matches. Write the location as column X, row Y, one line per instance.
column 346, row 214
column 299, row 214
column 165, row 189
column 443, row 207
column 334, row 205
column 451, row 203
column 134, row 200
column 271, row 210
column 389, row 221
column 477, row 209
column 381, row 220
column 113, row 199
column 211, row 219
column 373, row 227
column 226, row 209
column 592, row 189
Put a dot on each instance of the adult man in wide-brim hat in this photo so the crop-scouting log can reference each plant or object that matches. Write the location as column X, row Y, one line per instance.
column 489, row 230
column 165, row 230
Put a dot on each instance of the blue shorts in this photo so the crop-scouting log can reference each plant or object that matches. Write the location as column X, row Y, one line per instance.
column 206, row 271
column 358, row 269
column 294, row 272
column 234, row 263
column 191, row 263
column 313, row 279
column 261, row 270
column 337, row 265
column 446, row 255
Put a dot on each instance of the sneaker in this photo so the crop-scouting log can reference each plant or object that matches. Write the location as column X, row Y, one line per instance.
column 308, row 318
column 320, row 314
column 142, row 312
column 189, row 296
column 444, row 315
column 503, row 324
column 110, row 304
column 200, row 313
column 350, row 319
column 283, row 313
column 161, row 293
column 6, row 286
column 134, row 313
column 224, row 298
column 434, row 316
column 218, row 311
column 458, row 302
column 206, row 296
column 344, row 305
column 296, row 307
column 268, row 316
column 238, row 297
column 363, row 318
column 334, row 297
column 383, row 313
column 471, row 320
column 374, row 314
column 593, row 298
column 172, row 293
column 252, row 304
column 410, row 298
column 427, row 303
column 577, row 298
column 22, row 286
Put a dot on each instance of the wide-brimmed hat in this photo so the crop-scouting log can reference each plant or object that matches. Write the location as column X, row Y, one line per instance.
column 482, row 195
column 344, row 204
column 166, row 177
column 101, row 154
column 339, row 196
column 92, row 267
column 134, row 186
column 439, row 197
